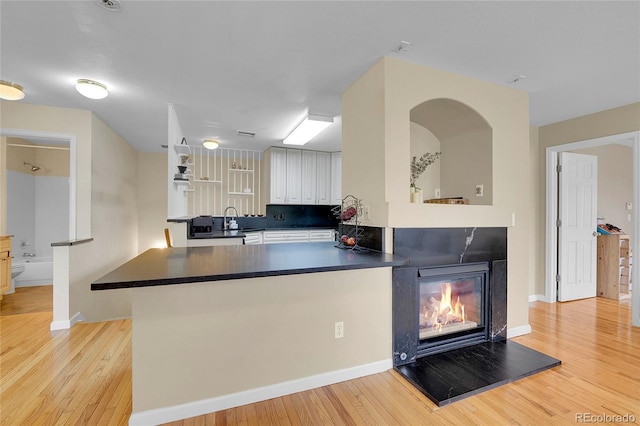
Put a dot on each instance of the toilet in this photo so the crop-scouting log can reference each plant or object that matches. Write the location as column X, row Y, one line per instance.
column 16, row 269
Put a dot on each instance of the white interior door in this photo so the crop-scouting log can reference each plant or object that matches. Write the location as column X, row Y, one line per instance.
column 578, row 184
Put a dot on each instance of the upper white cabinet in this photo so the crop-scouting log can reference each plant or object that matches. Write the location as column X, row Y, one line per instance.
column 324, row 178
column 276, row 168
column 309, row 177
column 296, row 176
column 336, row 178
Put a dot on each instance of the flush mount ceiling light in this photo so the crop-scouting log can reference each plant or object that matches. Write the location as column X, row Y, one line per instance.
column 310, row 127
column 210, row 143
column 91, row 89
column 10, row 91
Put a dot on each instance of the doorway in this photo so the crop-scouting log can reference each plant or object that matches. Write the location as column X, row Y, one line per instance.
column 60, row 290
column 551, row 262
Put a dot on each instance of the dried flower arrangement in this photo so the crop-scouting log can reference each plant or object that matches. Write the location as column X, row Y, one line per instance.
column 419, row 166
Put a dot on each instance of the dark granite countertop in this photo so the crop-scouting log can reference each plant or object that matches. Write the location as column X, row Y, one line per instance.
column 180, row 265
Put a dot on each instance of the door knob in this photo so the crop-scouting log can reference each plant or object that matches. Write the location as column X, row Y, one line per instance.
column 595, row 234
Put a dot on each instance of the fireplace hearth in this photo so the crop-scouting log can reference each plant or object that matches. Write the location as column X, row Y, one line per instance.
column 450, row 313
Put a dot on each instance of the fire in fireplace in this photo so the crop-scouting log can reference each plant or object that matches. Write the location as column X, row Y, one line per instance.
column 453, row 307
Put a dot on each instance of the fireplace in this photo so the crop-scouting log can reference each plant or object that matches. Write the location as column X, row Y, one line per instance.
column 452, row 307
column 468, row 262
column 450, row 313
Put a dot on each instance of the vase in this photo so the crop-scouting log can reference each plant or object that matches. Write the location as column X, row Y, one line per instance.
column 416, row 195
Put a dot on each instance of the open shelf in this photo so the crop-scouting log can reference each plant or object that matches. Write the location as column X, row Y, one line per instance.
column 207, row 181
column 240, row 193
column 240, row 170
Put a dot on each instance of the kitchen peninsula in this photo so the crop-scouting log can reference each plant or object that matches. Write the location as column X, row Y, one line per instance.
column 222, row 326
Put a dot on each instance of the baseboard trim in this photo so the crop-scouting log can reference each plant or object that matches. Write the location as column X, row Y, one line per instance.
column 210, row 405
column 536, row 298
column 66, row 324
column 518, row 331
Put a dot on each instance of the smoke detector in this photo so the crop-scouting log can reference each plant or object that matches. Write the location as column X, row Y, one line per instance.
column 402, row 47
column 516, row 78
column 110, row 5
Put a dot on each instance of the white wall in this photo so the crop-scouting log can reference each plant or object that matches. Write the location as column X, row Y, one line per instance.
column 376, row 157
column 423, row 141
column 51, row 212
column 105, row 202
column 615, row 183
column 37, row 211
column 21, row 207
column 615, row 121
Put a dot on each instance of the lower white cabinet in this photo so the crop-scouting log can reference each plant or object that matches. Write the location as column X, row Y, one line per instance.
column 298, row 236
column 322, row 235
column 272, row 237
column 252, row 238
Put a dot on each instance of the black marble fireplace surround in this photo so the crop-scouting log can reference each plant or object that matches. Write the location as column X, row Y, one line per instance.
column 465, row 364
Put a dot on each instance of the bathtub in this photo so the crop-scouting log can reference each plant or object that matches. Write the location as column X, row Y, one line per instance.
column 37, row 271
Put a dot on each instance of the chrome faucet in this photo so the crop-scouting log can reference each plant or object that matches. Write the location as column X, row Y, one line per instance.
column 28, row 255
column 224, row 220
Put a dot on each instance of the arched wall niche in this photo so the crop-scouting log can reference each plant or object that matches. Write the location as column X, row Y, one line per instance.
column 466, row 141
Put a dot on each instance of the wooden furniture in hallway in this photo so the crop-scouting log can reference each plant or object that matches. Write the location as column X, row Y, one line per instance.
column 614, row 266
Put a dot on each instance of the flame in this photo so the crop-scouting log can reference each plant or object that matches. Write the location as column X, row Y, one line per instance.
column 443, row 312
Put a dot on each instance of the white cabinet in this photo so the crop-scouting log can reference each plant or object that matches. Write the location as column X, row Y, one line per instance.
column 309, row 177
column 336, row 178
column 277, row 177
column 323, row 178
column 253, row 238
column 297, row 236
column 296, row 176
column 274, row 237
column 322, row 235
column 284, row 168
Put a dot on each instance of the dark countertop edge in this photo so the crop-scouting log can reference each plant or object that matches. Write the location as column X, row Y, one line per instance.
column 241, row 275
column 241, row 233
column 180, row 219
column 71, row 242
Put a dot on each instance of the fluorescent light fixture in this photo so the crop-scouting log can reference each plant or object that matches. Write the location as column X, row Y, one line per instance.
column 210, row 143
column 10, row 91
column 91, row 89
column 310, row 127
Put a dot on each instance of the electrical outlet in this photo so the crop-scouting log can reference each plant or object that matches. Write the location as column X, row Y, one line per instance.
column 366, row 213
column 339, row 329
column 479, row 190
column 437, row 194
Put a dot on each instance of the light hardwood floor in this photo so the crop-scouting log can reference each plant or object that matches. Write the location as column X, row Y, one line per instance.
column 83, row 376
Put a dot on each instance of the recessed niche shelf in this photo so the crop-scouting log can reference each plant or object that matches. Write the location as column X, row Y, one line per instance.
column 240, row 170
column 240, row 193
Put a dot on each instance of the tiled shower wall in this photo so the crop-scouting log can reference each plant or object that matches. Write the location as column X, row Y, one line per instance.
column 37, row 212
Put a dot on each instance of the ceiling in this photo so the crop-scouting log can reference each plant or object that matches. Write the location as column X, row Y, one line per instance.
column 261, row 66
